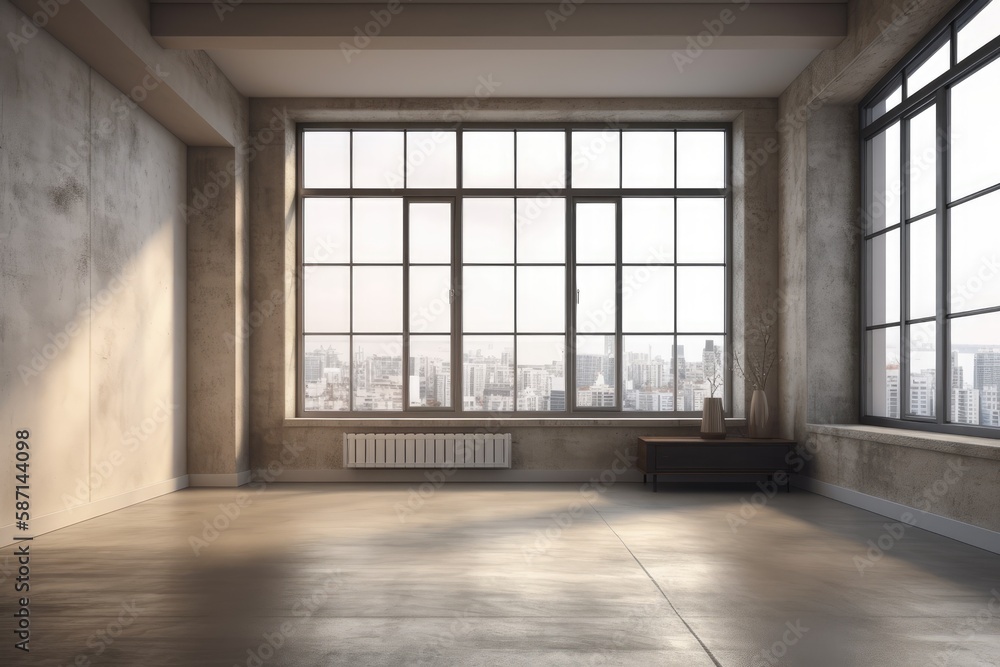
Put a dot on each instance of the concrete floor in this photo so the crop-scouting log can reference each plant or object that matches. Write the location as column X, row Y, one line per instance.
column 503, row 575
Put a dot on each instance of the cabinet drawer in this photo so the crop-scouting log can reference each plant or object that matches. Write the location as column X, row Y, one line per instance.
column 721, row 457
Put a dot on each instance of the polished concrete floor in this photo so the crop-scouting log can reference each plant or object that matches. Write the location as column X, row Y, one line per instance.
column 532, row 574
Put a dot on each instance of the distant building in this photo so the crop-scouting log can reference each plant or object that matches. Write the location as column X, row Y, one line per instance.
column 989, row 406
column 965, row 406
column 923, row 393
column 986, row 368
column 892, row 392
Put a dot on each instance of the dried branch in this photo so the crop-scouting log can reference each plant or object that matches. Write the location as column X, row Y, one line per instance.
column 756, row 365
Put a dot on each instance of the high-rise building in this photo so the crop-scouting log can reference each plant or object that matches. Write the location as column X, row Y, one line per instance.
column 923, row 393
column 986, row 368
column 892, row 392
column 313, row 366
column 989, row 406
column 965, row 406
column 957, row 373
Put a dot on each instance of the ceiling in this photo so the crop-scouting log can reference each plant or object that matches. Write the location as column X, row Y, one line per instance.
column 524, row 73
column 528, row 48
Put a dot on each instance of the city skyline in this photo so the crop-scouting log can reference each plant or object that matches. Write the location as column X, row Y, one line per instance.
column 974, row 396
column 489, row 378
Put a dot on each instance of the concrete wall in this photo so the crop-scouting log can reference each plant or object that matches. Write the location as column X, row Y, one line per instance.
column 92, row 290
column 543, row 449
column 820, row 232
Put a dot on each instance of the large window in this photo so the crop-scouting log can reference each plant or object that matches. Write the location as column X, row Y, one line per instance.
column 931, row 141
column 528, row 270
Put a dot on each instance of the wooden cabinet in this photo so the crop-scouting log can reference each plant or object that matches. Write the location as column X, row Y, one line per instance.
column 698, row 459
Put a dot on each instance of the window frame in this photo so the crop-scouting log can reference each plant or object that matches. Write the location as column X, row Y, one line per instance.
column 937, row 94
column 572, row 196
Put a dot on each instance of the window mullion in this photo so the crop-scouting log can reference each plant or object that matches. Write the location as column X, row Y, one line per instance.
column 457, row 327
column 943, row 305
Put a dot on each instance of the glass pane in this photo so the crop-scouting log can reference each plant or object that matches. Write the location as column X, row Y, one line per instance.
column 430, row 233
column 595, row 309
column 982, row 29
column 936, row 65
column 885, row 185
column 430, row 305
column 887, row 103
column 648, row 159
column 326, row 298
column 595, row 233
column 975, row 349
column 326, row 230
column 596, row 158
column 975, row 133
column 883, row 364
column 701, row 230
column 701, row 298
column 378, row 160
column 430, row 159
column 541, row 230
column 648, row 373
column 700, row 367
column 378, row 299
column 923, row 162
column 541, row 159
column 488, row 159
column 378, row 230
column 923, row 369
column 701, row 159
column 975, row 254
column 541, row 381
column 488, row 230
column 595, row 371
column 326, row 373
column 378, row 375
column 541, row 299
column 923, row 268
column 647, row 230
column 883, row 274
column 326, row 159
column 488, row 299
column 488, row 373
column 647, row 299
column 430, row 371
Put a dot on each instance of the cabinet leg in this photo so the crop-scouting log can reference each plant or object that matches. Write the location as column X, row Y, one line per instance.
column 654, row 482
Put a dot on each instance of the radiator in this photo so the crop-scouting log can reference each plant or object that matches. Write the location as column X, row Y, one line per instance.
column 426, row 450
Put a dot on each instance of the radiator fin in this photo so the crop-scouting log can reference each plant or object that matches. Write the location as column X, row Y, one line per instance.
column 426, row 450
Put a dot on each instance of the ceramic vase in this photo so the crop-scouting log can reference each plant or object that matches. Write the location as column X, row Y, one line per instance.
column 713, row 425
column 757, row 419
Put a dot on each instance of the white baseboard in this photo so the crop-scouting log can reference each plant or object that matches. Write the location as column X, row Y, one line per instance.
column 406, row 475
column 935, row 523
column 63, row 518
column 225, row 479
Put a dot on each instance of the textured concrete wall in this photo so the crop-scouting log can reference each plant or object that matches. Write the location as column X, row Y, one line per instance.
column 833, row 275
column 820, row 225
column 217, row 330
column 955, row 482
column 91, row 283
column 536, row 448
column 819, row 186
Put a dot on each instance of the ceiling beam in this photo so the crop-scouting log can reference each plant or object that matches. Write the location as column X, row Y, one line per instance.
column 232, row 24
column 154, row 86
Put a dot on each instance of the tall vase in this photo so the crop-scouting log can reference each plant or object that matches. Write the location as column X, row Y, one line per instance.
column 713, row 426
column 757, row 420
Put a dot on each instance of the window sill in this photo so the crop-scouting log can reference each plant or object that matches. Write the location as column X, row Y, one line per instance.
column 962, row 445
column 496, row 423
